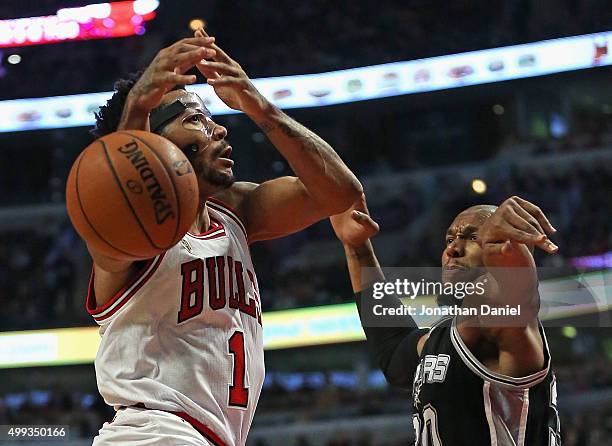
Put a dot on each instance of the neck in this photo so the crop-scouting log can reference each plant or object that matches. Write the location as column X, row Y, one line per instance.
column 201, row 223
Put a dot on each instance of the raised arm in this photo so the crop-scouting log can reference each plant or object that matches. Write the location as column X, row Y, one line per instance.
column 396, row 349
column 164, row 72
column 506, row 237
column 323, row 185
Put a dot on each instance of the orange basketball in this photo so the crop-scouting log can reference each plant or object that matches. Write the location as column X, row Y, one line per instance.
column 132, row 195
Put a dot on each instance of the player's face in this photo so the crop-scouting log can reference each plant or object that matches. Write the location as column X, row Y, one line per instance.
column 202, row 140
column 462, row 259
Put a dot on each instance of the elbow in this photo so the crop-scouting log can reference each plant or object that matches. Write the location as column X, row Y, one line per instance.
column 354, row 192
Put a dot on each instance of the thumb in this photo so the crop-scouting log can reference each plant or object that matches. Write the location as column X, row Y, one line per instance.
column 366, row 221
column 499, row 249
column 359, row 216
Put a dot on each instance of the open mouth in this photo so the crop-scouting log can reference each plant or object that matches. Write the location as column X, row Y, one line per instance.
column 225, row 155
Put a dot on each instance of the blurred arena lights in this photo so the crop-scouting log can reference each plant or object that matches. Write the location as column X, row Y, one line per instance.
column 479, row 186
column 195, row 24
column 569, row 332
column 344, row 86
column 300, row 327
column 14, row 59
column 144, row 7
column 498, row 109
column 594, row 262
column 94, row 21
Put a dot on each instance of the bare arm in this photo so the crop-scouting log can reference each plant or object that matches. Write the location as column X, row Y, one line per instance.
column 323, row 184
column 396, row 348
column 505, row 236
column 324, row 176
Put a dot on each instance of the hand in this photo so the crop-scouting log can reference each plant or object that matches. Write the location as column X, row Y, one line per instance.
column 230, row 82
column 355, row 226
column 516, row 222
column 167, row 70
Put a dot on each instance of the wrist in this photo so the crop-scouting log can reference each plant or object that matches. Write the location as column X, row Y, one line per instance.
column 364, row 252
column 262, row 110
column 135, row 116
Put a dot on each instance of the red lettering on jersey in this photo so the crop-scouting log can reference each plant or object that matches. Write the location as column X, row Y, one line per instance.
column 246, row 304
column 233, row 299
column 216, row 274
column 238, row 392
column 192, row 294
column 256, row 294
column 191, row 287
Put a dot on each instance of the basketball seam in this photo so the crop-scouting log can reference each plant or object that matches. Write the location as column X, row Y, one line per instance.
column 76, row 183
column 112, row 167
column 174, row 188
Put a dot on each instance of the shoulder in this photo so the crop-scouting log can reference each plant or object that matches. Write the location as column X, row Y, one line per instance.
column 235, row 194
column 435, row 332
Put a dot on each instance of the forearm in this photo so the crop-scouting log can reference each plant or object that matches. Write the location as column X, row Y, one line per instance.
column 325, row 176
column 363, row 266
column 516, row 282
column 134, row 117
column 394, row 347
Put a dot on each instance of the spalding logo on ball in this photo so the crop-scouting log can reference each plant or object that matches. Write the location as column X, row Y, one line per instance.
column 132, row 195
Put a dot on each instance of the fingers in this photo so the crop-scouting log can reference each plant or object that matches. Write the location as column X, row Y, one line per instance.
column 218, row 67
column 366, row 222
column 225, row 80
column 221, row 55
column 176, row 79
column 533, row 221
column 185, row 60
column 522, row 220
column 197, row 40
column 537, row 213
column 528, row 218
column 500, row 249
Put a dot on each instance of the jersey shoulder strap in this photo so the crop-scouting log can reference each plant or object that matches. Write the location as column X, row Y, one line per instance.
column 483, row 372
column 229, row 215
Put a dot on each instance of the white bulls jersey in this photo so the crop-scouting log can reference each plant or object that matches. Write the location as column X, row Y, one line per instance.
column 185, row 336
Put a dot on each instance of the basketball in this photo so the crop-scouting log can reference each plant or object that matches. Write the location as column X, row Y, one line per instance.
column 132, row 195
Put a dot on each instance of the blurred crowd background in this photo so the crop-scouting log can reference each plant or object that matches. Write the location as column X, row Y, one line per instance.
column 422, row 159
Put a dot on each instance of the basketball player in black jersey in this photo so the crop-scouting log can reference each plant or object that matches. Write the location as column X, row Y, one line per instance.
column 472, row 384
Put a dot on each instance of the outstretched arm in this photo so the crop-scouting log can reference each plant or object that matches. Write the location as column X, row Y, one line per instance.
column 323, row 184
column 396, row 349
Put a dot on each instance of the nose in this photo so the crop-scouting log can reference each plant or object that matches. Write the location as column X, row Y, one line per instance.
column 456, row 248
column 218, row 133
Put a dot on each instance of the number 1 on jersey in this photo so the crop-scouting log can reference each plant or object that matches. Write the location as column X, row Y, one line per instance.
column 238, row 393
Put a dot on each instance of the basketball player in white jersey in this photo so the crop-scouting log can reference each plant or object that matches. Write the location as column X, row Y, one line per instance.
column 181, row 356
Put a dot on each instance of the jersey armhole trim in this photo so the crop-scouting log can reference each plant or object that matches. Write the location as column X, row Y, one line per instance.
column 483, row 372
column 123, row 295
column 224, row 208
column 216, row 228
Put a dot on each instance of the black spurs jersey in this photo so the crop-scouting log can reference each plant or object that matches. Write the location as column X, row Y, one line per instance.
column 458, row 401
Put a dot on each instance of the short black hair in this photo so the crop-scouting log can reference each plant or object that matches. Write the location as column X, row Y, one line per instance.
column 109, row 115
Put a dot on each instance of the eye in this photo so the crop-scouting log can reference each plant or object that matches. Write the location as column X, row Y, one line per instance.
column 474, row 237
column 449, row 241
column 195, row 118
